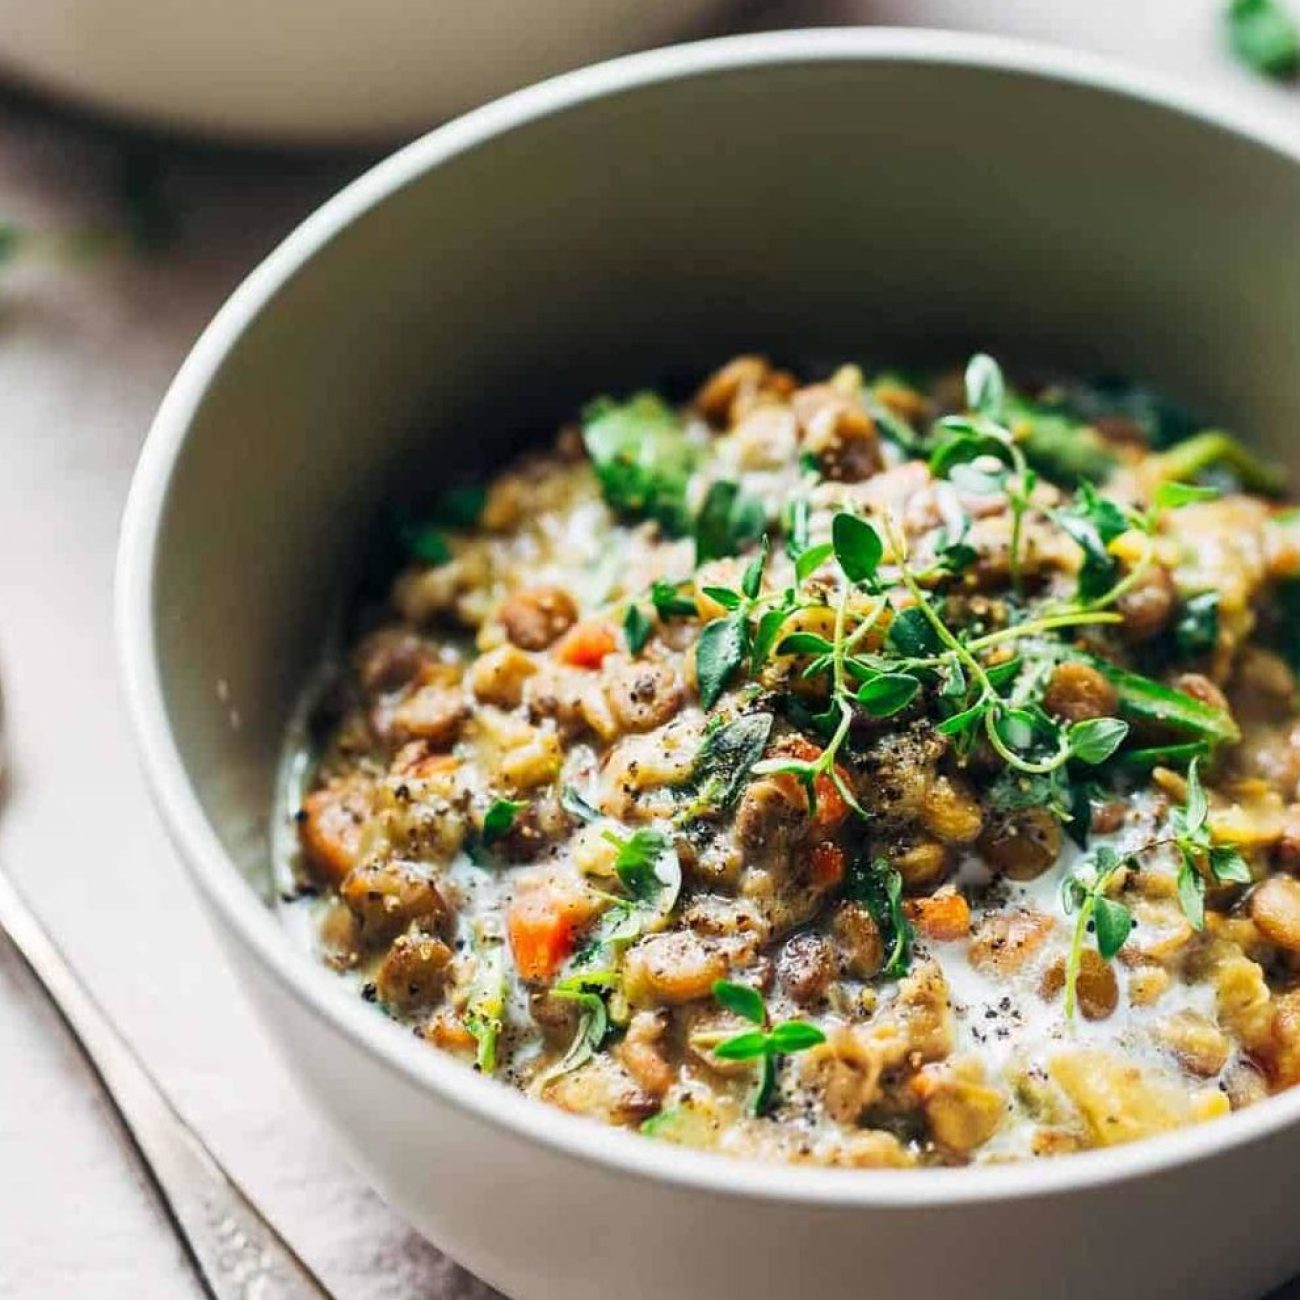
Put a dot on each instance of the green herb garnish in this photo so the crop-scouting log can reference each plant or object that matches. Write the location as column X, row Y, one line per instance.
column 486, row 1005
column 761, row 1044
column 637, row 863
column 589, row 990
column 668, row 601
column 637, row 628
column 1191, row 836
column 500, row 818
column 1084, row 894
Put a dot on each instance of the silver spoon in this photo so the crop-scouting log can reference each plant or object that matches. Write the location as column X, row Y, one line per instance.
column 236, row 1253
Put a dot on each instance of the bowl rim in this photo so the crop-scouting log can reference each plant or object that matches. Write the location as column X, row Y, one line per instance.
column 247, row 916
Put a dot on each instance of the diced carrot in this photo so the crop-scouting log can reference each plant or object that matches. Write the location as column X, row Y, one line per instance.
column 826, row 865
column 447, row 1031
column 831, row 808
column 543, row 923
column 330, row 825
column 942, row 917
column 585, row 645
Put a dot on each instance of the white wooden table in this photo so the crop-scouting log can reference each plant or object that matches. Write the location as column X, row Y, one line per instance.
column 84, row 357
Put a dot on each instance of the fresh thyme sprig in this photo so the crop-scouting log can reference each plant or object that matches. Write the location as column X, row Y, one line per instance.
column 1011, row 731
column 1085, row 892
column 1198, row 855
column 980, row 452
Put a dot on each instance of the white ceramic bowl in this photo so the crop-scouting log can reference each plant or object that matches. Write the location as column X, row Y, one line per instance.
column 319, row 71
column 822, row 194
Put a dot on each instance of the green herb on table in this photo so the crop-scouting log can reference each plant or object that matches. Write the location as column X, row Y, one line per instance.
column 1265, row 37
column 761, row 1044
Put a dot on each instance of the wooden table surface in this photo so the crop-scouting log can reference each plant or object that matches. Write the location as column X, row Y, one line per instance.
column 86, row 350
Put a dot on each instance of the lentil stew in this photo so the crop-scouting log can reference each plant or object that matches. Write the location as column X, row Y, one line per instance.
column 863, row 772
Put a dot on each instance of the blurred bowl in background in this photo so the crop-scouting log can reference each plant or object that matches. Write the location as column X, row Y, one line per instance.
column 318, row 71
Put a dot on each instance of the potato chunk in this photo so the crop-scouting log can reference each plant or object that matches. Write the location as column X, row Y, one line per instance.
column 1275, row 909
column 962, row 1110
column 671, row 969
column 1116, row 1100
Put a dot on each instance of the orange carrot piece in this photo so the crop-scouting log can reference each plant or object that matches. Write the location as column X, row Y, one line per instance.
column 942, row 917
column 330, row 825
column 585, row 645
column 831, row 808
column 542, row 924
column 826, row 865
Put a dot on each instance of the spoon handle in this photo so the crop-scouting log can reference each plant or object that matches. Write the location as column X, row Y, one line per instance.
column 237, row 1254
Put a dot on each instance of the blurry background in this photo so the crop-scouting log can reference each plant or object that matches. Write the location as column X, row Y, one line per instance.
column 117, row 242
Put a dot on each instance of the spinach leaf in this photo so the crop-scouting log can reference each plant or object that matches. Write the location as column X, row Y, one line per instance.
column 642, row 459
column 728, row 521
column 726, row 757
column 1196, row 628
column 879, row 888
